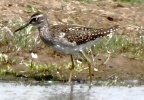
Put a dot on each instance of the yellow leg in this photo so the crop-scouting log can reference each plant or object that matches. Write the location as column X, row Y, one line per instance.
column 89, row 65
column 72, row 70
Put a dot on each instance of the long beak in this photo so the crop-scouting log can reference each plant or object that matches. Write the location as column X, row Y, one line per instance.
column 22, row 27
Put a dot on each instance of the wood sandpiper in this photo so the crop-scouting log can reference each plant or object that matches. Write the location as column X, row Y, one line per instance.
column 68, row 39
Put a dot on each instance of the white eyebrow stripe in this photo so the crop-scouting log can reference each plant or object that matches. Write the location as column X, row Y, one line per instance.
column 40, row 15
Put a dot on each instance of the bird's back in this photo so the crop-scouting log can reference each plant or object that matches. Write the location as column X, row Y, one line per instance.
column 72, row 39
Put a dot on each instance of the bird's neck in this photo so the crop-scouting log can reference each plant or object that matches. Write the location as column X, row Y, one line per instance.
column 45, row 34
column 43, row 31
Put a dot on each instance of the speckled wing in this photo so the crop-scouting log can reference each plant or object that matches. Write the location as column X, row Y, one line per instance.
column 80, row 35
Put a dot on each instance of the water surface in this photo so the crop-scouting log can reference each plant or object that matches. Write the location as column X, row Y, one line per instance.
column 21, row 91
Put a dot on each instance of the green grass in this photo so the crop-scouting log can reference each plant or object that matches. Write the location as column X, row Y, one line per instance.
column 121, row 45
column 22, row 40
column 31, row 9
column 42, row 71
column 6, row 60
column 6, row 71
column 115, row 81
column 35, row 71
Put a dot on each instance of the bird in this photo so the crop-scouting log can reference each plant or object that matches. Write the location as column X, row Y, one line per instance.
column 68, row 39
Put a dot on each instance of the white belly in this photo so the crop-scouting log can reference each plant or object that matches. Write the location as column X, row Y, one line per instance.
column 69, row 49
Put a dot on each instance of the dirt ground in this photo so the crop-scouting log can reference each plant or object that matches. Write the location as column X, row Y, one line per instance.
column 95, row 14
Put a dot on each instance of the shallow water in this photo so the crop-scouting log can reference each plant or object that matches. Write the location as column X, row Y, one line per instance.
column 20, row 91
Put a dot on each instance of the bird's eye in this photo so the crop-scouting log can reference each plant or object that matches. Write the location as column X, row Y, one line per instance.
column 34, row 19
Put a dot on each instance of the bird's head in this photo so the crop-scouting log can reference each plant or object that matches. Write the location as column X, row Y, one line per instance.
column 37, row 19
